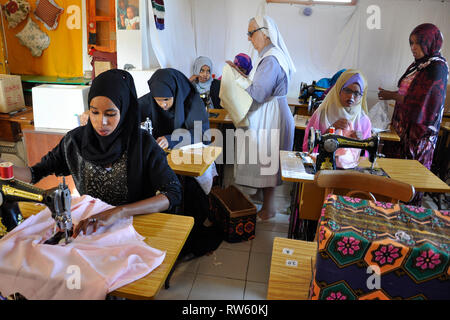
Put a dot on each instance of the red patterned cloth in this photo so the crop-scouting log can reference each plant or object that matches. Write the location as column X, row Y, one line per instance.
column 376, row 250
column 417, row 120
column 47, row 11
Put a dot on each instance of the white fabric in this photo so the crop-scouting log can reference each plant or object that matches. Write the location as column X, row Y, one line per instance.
column 233, row 97
column 108, row 259
column 381, row 114
column 277, row 40
column 261, row 123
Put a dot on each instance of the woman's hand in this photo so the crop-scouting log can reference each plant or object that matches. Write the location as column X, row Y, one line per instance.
column 162, row 142
column 231, row 64
column 194, row 78
column 385, row 94
column 342, row 124
column 104, row 218
column 84, row 117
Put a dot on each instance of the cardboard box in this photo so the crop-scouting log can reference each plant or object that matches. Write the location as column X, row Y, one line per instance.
column 11, row 94
column 59, row 106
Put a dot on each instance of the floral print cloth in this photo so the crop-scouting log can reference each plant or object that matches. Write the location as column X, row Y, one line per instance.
column 33, row 38
column 376, row 250
column 16, row 11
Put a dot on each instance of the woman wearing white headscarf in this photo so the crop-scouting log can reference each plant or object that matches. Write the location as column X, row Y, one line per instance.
column 267, row 85
column 345, row 109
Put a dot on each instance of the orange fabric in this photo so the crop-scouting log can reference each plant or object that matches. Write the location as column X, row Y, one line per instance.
column 63, row 58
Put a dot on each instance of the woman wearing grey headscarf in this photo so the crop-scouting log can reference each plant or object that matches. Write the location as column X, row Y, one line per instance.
column 204, row 82
column 269, row 112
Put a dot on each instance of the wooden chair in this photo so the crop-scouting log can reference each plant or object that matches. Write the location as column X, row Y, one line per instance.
column 363, row 183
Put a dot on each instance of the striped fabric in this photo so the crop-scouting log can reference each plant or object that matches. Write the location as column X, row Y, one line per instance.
column 47, row 11
column 158, row 12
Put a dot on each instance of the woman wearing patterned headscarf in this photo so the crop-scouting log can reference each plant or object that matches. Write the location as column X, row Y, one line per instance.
column 244, row 63
column 420, row 98
column 111, row 158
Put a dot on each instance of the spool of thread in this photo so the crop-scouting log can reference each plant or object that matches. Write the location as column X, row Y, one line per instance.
column 6, row 171
column 332, row 130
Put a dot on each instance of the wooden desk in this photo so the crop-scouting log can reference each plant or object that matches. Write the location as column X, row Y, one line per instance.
column 299, row 108
column 223, row 116
column 310, row 197
column 193, row 162
column 166, row 232
column 11, row 125
column 287, row 281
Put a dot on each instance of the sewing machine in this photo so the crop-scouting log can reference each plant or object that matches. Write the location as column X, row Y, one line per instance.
column 329, row 143
column 310, row 94
column 57, row 199
column 206, row 97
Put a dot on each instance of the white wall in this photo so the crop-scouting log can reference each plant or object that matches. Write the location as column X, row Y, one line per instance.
column 332, row 38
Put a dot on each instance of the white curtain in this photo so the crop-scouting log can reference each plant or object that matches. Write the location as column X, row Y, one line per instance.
column 332, row 38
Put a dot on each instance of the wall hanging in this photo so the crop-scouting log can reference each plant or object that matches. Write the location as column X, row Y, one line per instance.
column 33, row 38
column 16, row 11
column 47, row 11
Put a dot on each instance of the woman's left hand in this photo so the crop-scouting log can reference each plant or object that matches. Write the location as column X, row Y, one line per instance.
column 162, row 142
column 104, row 218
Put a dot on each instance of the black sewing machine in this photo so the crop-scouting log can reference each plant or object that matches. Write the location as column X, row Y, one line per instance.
column 310, row 94
column 206, row 97
column 57, row 199
column 329, row 143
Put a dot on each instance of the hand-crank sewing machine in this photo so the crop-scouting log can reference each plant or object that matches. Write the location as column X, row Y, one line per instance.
column 329, row 143
column 57, row 199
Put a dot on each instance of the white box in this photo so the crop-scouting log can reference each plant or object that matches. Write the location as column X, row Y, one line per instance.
column 59, row 106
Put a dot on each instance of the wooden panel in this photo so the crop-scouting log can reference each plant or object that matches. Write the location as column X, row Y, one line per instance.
column 9, row 131
column 287, row 281
column 38, row 144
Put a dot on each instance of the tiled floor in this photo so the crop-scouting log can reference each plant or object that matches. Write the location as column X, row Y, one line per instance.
column 238, row 271
column 235, row 271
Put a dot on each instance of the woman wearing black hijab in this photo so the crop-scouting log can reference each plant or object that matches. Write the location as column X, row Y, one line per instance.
column 173, row 103
column 112, row 158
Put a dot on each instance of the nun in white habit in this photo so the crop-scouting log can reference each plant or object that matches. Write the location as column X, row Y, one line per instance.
column 270, row 119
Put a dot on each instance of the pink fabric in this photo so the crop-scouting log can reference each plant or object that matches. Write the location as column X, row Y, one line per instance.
column 406, row 82
column 110, row 258
column 363, row 124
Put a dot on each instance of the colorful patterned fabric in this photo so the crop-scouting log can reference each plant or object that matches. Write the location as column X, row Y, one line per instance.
column 243, row 61
column 418, row 118
column 158, row 12
column 47, row 11
column 376, row 250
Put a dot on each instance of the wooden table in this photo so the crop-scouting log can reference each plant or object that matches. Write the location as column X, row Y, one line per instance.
column 223, row 116
column 299, row 107
column 193, row 162
column 291, row 269
column 310, row 197
column 11, row 125
column 301, row 121
column 166, row 232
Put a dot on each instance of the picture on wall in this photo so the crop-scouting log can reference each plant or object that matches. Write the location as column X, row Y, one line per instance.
column 128, row 14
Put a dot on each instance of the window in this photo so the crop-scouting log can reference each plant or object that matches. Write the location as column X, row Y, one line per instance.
column 309, row 2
